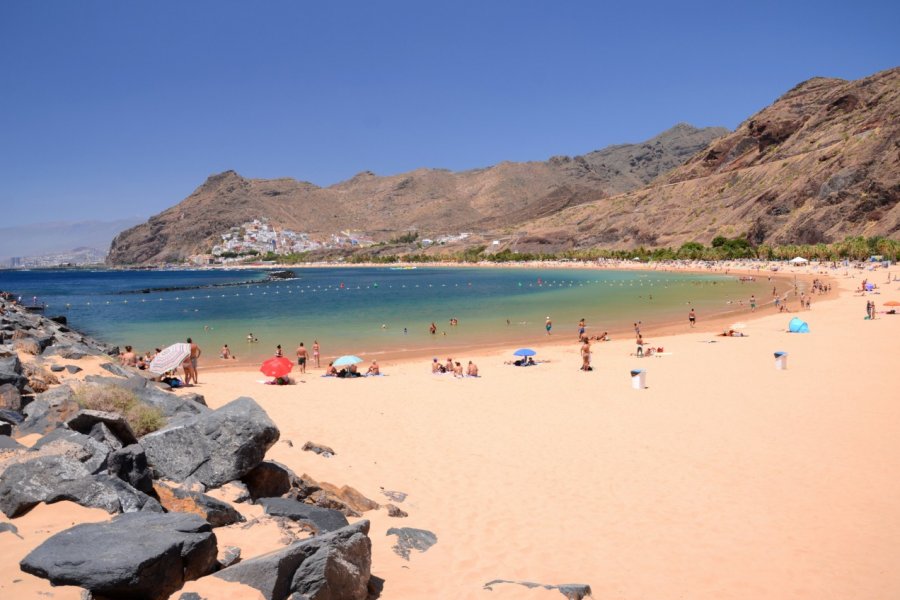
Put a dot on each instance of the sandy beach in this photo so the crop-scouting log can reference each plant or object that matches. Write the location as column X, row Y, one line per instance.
column 724, row 478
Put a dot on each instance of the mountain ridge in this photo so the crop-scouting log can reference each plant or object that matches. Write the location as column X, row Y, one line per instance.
column 429, row 200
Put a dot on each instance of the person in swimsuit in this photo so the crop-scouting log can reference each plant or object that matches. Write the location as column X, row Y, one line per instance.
column 692, row 317
column 316, row 352
column 548, row 325
column 301, row 357
column 278, row 351
column 195, row 358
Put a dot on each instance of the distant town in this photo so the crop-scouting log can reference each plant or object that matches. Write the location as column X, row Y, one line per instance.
column 259, row 238
column 78, row 257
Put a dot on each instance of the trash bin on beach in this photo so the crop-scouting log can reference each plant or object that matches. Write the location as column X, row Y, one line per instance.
column 638, row 379
column 781, row 360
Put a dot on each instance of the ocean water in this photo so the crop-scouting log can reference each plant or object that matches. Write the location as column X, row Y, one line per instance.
column 373, row 312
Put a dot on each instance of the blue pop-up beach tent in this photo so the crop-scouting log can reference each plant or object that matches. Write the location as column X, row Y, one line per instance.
column 798, row 325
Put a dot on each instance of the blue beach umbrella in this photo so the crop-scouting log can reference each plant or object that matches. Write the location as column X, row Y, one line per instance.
column 348, row 359
column 524, row 352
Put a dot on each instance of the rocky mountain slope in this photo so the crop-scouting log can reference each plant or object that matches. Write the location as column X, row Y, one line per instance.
column 431, row 201
column 819, row 164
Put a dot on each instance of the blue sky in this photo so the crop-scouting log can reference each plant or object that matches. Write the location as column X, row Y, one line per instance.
column 115, row 109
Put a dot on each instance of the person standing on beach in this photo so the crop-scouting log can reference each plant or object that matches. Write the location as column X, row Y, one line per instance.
column 195, row 358
column 278, row 351
column 548, row 325
column 752, row 303
column 692, row 317
column 586, row 355
column 301, row 357
column 316, row 352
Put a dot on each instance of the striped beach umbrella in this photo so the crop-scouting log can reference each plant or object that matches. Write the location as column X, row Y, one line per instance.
column 170, row 358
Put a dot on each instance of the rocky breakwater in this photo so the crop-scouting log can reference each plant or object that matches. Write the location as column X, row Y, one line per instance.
column 151, row 458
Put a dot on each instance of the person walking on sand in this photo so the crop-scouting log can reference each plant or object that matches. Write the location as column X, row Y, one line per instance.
column 195, row 358
column 301, row 357
column 692, row 317
column 548, row 325
column 586, row 355
column 316, row 352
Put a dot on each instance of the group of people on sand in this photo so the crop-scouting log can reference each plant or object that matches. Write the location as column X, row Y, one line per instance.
column 352, row 371
column 454, row 367
column 130, row 358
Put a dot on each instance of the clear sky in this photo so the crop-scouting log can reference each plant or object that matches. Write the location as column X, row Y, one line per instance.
column 112, row 109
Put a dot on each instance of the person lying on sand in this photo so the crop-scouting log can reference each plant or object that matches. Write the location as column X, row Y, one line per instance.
column 733, row 333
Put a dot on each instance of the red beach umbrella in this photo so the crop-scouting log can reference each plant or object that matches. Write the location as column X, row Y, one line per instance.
column 278, row 366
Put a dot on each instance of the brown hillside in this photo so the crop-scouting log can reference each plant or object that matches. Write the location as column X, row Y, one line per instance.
column 432, row 201
column 819, row 164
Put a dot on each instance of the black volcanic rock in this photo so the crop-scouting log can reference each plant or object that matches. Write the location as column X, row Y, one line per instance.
column 215, row 447
column 133, row 557
column 331, row 566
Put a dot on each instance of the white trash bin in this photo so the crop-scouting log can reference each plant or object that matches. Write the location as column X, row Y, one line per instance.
column 781, row 360
column 638, row 379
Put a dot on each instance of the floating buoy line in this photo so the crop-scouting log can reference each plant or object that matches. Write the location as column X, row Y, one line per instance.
column 277, row 289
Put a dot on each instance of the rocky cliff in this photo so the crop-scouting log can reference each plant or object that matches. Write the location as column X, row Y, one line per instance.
column 819, row 164
column 432, row 201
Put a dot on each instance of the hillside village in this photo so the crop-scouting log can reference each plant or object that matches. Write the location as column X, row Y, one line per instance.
column 259, row 237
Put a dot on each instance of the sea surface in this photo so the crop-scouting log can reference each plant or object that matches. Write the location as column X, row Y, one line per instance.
column 373, row 312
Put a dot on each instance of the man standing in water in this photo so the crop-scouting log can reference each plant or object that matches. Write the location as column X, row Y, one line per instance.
column 692, row 317
column 195, row 357
column 301, row 357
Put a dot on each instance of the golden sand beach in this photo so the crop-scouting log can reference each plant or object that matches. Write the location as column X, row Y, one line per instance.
column 724, row 478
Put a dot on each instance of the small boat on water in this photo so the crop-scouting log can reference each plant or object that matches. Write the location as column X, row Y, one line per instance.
column 407, row 268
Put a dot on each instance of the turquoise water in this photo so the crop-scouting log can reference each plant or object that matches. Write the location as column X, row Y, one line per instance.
column 365, row 310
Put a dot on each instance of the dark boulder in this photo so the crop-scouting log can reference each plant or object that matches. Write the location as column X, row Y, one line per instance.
column 119, row 370
column 10, row 397
column 11, row 372
column 136, row 556
column 323, row 519
column 331, row 566
column 176, row 499
column 6, row 442
column 71, row 351
column 215, row 447
column 268, row 480
column 11, row 416
column 92, row 453
column 49, row 410
column 57, row 368
column 130, row 465
column 57, row 477
column 72, row 369
column 84, row 422
column 229, row 555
